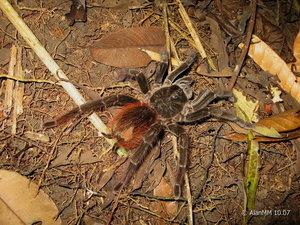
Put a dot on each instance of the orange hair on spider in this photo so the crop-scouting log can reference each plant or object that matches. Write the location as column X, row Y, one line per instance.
column 131, row 122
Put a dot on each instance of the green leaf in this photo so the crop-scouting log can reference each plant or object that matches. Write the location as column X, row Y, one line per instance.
column 245, row 109
column 268, row 132
column 252, row 175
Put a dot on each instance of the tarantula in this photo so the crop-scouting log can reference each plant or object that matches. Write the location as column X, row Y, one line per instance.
column 137, row 125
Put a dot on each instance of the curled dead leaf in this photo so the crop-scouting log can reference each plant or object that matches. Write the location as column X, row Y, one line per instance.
column 269, row 61
column 122, row 48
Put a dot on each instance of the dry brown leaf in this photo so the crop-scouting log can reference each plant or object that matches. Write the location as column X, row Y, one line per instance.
column 157, row 171
column 165, row 208
column 269, row 61
column 105, row 178
column 286, row 123
column 62, row 158
column 282, row 122
column 77, row 12
column 122, row 48
column 20, row 204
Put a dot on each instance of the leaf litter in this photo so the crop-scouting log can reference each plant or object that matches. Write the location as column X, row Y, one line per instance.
column 77, row 161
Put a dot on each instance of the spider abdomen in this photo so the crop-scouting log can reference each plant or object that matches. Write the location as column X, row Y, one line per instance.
column 130, row 123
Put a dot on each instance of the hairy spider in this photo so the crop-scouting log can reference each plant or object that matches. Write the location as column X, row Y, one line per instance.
column 137, row 125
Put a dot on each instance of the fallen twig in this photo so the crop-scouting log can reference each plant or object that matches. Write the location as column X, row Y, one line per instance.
column 27, row 80
column 18, row 92
column 9, row 84
column 238, row 67
column 194, row 34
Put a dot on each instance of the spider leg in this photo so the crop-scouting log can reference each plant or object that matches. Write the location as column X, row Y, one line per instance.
column 143, row 83
column 159, row 74
column 162, row 68
column 182, row 145
column 207, row 96
column 141, row 80
column 215, row 112
column 183, row 67
column 141, row 152
column 97, row 104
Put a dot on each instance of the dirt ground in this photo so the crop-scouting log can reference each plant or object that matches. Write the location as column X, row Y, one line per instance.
column 70, row 160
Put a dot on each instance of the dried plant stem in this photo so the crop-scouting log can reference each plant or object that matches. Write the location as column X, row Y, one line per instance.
column 238, row 67
column 191, row 29
column 14, row 91
column 9, row 84
column 18, row 91
column 167, row 32
column 25, row 80
column 183, row 34
column 45, row 57
column 173, row 50
column 189, row 198
column 166, row 26
column 194, row 34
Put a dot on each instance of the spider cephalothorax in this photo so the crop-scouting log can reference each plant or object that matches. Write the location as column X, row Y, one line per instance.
column 168, row 101
column 137, row 125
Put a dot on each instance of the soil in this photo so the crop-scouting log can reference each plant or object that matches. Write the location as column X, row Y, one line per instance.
column 78, row 156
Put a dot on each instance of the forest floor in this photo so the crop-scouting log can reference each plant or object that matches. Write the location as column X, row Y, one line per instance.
column 69, row 161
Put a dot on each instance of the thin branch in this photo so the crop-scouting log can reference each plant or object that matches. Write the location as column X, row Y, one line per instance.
column 238, row 67
column 26, row 80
